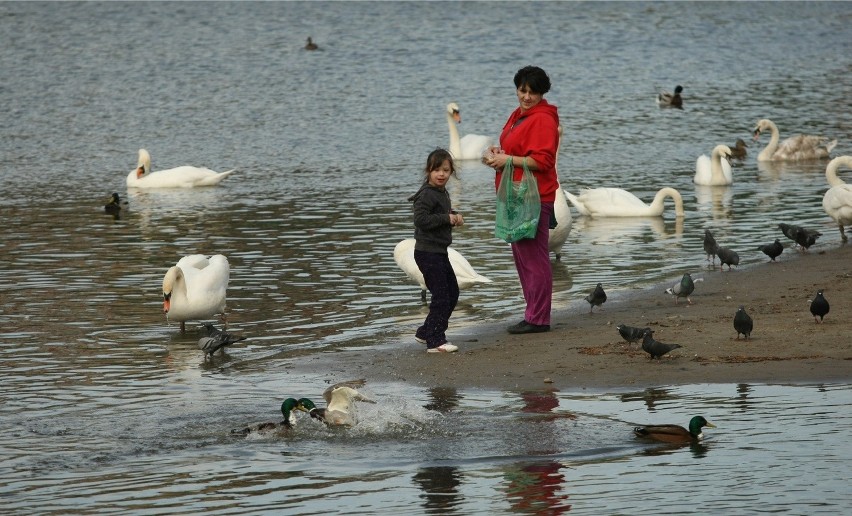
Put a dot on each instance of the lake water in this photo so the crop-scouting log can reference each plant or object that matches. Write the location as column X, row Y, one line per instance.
column 107, row 408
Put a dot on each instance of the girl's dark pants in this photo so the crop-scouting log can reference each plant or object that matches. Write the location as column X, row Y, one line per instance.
column 442, row 284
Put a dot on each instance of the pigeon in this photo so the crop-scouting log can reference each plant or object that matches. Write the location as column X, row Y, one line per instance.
column 683, row 288
column 727, row 257
column 819, row 307
column 596, row 298
column 804, row 238
column 772, row 250
column 631, row 334
column 215, row 340
column 710, row 246
column 656, row 348
column 743, row 323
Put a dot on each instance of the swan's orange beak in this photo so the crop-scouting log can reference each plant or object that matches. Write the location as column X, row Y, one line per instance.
column 139, row 172
column 457, row 117
column 167, row 303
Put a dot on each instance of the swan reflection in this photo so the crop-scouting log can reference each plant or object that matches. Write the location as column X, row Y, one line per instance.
column 714, row 199
column 626, row 230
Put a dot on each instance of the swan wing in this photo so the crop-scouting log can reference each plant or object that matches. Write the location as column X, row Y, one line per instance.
column 837, row 203
column 803, row 146
column 403, row 255
column 465, row 275
column 576, row 202
column 473, row 145
column 613, row 202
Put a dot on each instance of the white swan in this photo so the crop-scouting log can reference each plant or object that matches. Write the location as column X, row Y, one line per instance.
column 837, row 201
column 195, row 288
column 615, row 202
column 714, row 171
column 469, row 147
column 180, row 177
column 403, row 255
column 561, row 211
column 794, row 148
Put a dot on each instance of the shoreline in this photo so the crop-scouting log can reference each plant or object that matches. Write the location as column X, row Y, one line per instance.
column 584, row 350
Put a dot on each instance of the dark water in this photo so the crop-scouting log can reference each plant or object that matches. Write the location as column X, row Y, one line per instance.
column 107, row 408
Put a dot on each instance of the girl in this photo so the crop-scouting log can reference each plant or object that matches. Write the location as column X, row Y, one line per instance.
column 433, row 232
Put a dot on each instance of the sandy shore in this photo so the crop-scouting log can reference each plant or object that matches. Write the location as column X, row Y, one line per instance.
column 584, row 350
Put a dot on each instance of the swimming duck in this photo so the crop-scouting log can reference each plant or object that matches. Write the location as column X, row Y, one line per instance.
column 794, row 148
column 666, row 99
column 675, row 433
column 616, row 202
column 289, row 421
column 195, row 288
column 715, row 170
column 837, row 201
column 310, row 45
column 739, row 151
column 113, row 207
column 403, row 255
column 340, row 409
column 180, row 177
column 470, row 146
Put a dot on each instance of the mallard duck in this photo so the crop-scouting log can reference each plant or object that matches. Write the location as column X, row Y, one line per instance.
column 180, row 177
column 739, row 151
column 310, row 45
column 675, row 433
column 113, row 207
column 666, row 99
column 195, row 288
column 289, row 421
column 340, row 409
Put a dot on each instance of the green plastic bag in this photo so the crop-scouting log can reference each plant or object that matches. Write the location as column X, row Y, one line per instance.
column 518, row 205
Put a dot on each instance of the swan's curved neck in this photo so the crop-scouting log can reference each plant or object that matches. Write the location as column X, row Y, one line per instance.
column 716, row 168
column 657, row 203
column 455, row 142
column 831, row 171
column 769, row 150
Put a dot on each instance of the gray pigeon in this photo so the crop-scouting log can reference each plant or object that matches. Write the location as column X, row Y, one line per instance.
column 743, row 323
column 819, row 306
column 804, row 238
column 656, row 348
column 727, row 257
column 710, row 246
column 596, row 298
column 631, row 334
column 215, row 340
column 683, row 288
column 772, row 250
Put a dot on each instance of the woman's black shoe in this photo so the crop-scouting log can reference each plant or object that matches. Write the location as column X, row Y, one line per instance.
column 525, row 327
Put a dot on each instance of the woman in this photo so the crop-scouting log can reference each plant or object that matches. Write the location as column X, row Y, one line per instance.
column 531, row 134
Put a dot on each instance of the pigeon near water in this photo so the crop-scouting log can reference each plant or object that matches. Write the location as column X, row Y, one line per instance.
column 631, row 334
column 596, row 298
column 819, row 307
column 654, row 347
column 772, row 250
column 215, row 340
column 727, row 256
column 710, row 246
column 743, row 323
column 803, row 237
column 683, row 288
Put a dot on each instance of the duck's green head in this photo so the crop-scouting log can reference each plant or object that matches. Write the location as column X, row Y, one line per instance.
column 697, row 423
column 305, row 405
column 288, row 406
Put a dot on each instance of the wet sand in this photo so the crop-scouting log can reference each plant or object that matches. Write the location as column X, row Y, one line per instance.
column 584, row 350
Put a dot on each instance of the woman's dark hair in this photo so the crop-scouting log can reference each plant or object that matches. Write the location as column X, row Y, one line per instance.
column 535, row 78
column 436, row 158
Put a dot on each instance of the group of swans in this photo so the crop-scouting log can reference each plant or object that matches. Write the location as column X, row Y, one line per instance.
column 180, row 177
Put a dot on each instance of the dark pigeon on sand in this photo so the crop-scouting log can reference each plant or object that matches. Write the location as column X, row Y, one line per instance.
column 819, row 307
column 743, row 323
column 710, row 246
column 727, row 257
column 596, row 298
column 803, row 237
column 656, row 348
column 683, row 288
column 215, row 340
column 631, row 334
column 772, row 250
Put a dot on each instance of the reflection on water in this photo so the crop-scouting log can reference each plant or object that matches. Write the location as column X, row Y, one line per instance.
column 440, row 489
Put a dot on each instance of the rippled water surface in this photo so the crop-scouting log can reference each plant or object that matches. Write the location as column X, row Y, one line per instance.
column 107, row 408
